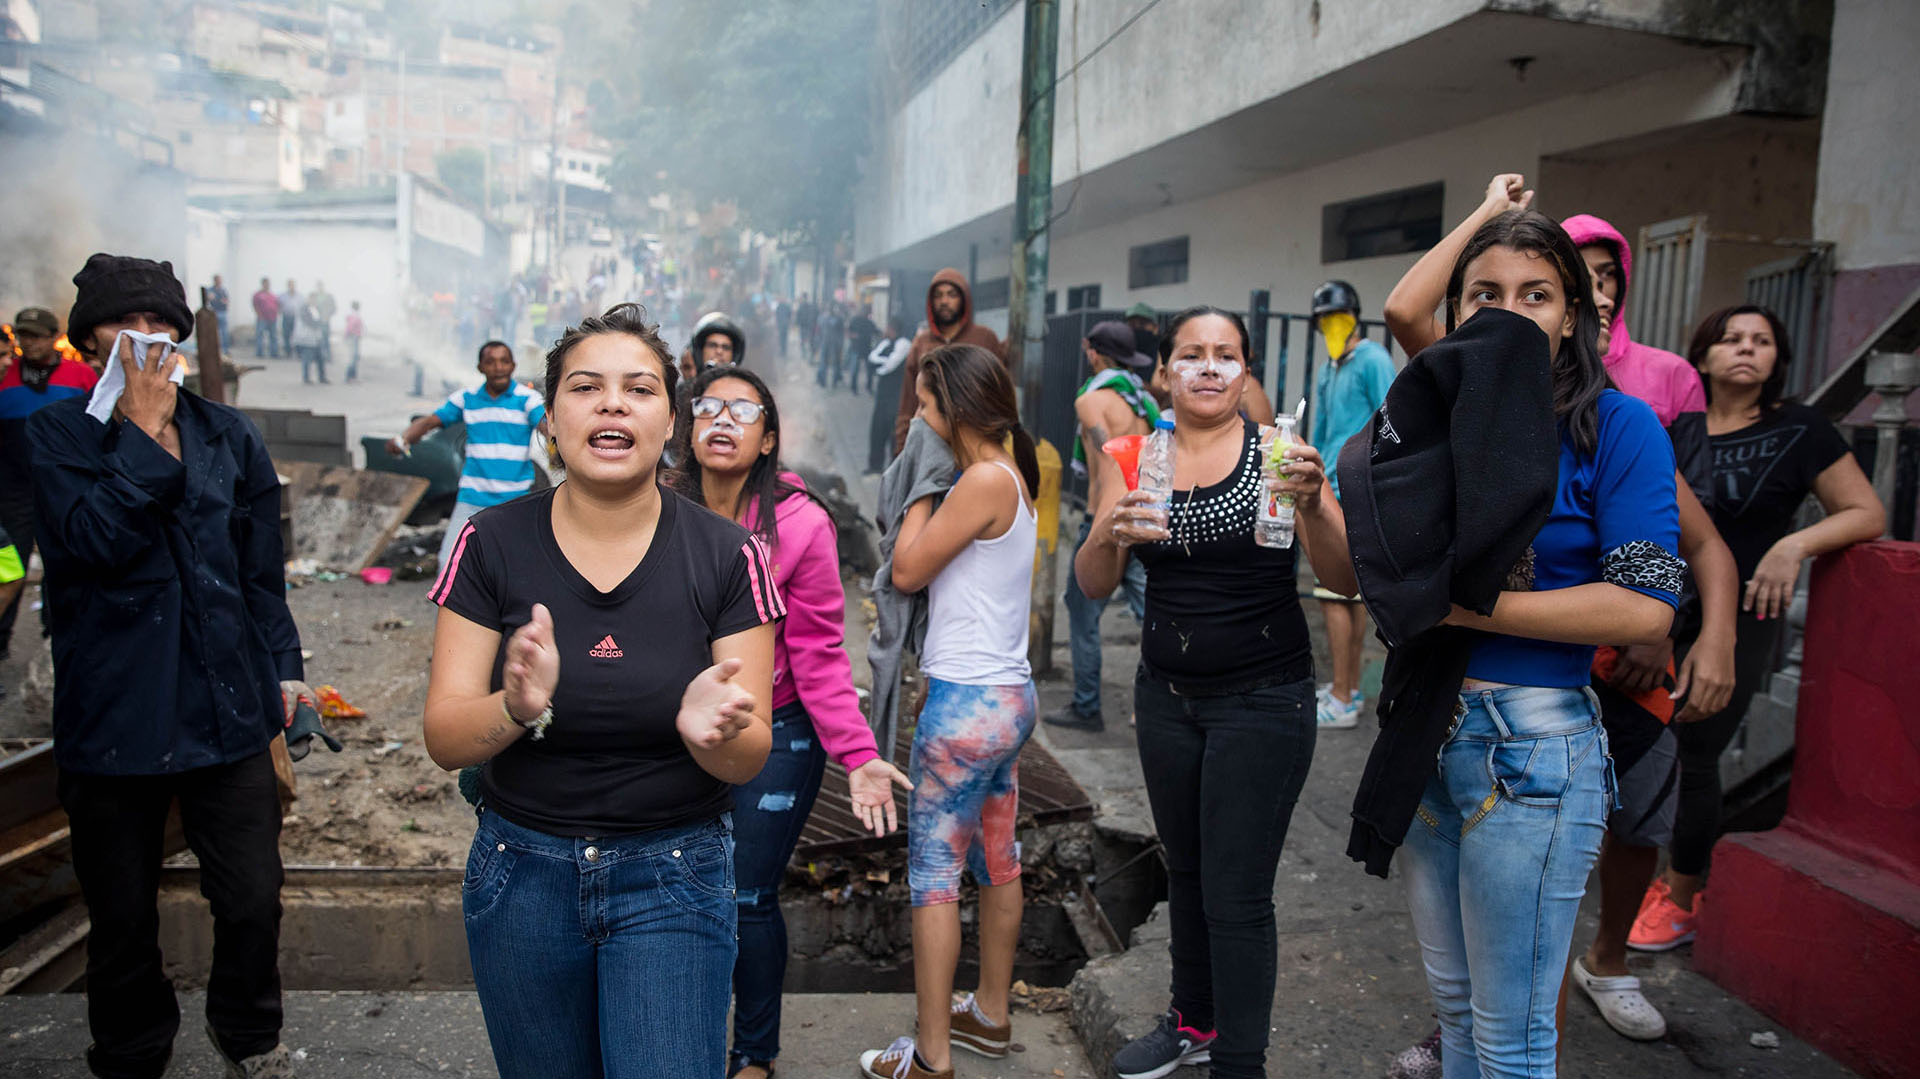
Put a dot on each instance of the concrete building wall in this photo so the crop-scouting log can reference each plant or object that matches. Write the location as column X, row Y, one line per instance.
column 1868, row 203
column 1172, row 72
column 1751, row 177
column 357, row 260
column 1268, row 234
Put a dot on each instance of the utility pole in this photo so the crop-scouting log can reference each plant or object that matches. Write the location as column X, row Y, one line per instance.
column 1032, row 206
column 1026, row 307
column 553, row 171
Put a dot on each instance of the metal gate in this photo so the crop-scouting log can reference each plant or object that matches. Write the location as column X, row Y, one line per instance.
column 1795, row 288
column 1670, row 260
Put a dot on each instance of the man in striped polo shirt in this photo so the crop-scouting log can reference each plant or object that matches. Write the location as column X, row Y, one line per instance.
column 501, row 416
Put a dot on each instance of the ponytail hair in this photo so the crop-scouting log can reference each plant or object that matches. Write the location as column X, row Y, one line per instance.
column 974, row 390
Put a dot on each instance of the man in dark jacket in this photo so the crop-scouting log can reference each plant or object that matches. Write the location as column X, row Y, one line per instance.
column 949, row 321
column 160, row 528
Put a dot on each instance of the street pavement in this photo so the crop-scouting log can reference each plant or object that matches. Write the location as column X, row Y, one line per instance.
column 394, row 1035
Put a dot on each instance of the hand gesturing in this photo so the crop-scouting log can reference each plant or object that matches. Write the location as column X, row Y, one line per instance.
column 713, row 710
column 533, row 667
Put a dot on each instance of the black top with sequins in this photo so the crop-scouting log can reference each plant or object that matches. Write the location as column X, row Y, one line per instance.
column 1223, row 612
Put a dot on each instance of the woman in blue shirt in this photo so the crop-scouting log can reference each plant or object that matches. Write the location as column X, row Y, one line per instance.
column 1510, row 823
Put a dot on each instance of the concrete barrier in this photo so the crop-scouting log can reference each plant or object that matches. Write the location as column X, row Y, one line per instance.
column 1817, row 922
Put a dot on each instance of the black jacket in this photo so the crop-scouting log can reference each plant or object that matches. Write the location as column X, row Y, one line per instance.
column 1443, row 497
column 165, row 587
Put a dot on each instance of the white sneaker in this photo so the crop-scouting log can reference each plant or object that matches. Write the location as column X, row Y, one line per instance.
column 1337, row 714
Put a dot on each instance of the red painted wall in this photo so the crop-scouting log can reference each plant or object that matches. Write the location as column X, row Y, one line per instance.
column 1817, row 923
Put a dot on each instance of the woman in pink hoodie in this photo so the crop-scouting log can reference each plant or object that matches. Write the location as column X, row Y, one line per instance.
column 729, row 447
column 1654, row 375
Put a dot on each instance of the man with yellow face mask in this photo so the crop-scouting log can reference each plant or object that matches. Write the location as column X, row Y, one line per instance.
column 1346, row 393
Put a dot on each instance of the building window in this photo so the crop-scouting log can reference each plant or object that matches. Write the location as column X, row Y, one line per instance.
column 1395, row 223
column 1053, row 302
column 992, row 294
column 1162, row 263
column 936, row 31
column 1088, row 296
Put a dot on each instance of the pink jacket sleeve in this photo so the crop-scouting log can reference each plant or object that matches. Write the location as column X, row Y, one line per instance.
column 814, row 632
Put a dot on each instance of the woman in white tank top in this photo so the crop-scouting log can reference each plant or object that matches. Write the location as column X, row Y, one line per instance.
column 974, row 556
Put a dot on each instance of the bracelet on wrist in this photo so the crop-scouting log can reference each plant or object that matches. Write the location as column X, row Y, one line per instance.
column 538, row 724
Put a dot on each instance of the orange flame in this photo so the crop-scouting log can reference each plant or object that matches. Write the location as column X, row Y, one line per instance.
column 60, row 344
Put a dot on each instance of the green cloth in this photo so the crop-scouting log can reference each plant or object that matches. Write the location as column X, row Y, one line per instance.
column 1131, row 390
column 10, row 568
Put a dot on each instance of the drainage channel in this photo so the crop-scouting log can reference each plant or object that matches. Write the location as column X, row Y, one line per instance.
column 393, row 928
column 400, row 927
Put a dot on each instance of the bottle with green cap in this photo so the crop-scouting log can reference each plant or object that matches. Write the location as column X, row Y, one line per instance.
column 1273, row 525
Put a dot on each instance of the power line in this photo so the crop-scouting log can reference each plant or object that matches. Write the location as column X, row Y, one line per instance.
column 1108, row 40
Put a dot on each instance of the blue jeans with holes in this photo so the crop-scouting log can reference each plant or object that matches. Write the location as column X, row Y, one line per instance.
column 1083, row 624
column 600, row 957
column 1496, row 862
column 768, row 814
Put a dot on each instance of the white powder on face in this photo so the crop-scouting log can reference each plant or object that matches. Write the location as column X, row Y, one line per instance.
column 1191, row 370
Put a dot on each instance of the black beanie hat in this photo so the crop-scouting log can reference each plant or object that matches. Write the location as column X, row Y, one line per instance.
column 115, row 285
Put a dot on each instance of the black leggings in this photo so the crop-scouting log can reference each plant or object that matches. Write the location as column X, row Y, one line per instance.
column 1696, row 826
column 1223, row 774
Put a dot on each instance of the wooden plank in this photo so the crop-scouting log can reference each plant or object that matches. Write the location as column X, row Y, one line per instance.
column 344, row 517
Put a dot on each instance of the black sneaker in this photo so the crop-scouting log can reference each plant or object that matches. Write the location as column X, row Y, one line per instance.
column 1072, row 719
column 1168, row 1046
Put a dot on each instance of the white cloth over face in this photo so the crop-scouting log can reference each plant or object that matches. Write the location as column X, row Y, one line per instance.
column 113, row 381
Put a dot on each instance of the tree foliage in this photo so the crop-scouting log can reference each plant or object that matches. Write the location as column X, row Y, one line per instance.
column 765, row 105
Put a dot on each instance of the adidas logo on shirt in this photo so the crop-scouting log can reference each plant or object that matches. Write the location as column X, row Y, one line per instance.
column 606, row 649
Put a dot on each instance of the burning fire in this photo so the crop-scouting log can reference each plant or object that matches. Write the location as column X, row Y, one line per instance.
column 62, row 345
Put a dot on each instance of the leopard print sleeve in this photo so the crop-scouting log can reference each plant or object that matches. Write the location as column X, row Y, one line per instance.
column 1644, row 564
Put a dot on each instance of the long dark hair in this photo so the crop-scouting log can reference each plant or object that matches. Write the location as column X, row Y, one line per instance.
column 1579, row 374
column 973, row 390
column 1714, row 327
column 765, row 487
column 1197, row 311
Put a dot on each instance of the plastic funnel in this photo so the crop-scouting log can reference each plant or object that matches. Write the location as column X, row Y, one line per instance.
column 1125, row 452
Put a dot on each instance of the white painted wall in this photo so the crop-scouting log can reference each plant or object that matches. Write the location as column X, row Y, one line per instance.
column 1267, row 234
column 1867, row 202
column 357, row 262
column 1184, row 65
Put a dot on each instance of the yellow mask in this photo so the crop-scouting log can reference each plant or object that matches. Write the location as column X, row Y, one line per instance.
column 1337, row 328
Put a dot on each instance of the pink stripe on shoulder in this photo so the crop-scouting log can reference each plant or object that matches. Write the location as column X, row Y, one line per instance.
column 766, row 598
column 444, row 586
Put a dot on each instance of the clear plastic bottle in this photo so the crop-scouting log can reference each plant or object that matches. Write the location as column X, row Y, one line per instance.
column 1156, row 464
column 1273, row 526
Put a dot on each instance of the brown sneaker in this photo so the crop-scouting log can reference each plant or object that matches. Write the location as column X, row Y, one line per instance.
column 974, row 1032
column 896, row 1062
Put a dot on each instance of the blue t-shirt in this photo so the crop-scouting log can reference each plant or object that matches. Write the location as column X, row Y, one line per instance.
column 499, row 464
column 1614, row 519
column 1345, row 396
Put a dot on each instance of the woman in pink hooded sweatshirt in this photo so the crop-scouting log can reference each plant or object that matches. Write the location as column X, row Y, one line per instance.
column 1654, row 375
column 729, row 447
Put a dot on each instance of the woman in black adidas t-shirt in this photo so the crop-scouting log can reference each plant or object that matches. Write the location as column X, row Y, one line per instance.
column 1768, row 456
column 605, row 649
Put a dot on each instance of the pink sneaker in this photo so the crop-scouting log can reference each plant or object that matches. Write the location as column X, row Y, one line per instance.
column 1662, row 925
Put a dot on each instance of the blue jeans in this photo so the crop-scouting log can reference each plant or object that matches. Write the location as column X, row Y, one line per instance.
column 266, row 339
column 1083, row 624
column 599, row 957
column 1496, row 863
column 767, row 817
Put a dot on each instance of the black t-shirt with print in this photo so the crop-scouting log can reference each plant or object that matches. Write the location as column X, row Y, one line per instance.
column 1761, row 474
column 612, row 762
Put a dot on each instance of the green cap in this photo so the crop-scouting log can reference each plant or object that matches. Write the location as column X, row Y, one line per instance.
column 1141, row 310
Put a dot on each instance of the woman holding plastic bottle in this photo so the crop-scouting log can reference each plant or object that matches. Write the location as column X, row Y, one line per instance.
column 1225, row 691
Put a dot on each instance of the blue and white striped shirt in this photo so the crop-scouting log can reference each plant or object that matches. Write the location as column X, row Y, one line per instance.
column 499, row 464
